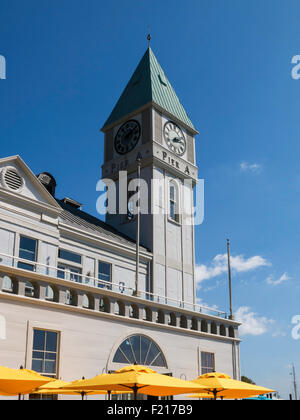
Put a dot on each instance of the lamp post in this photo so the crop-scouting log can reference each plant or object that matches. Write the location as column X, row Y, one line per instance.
column 138, row 226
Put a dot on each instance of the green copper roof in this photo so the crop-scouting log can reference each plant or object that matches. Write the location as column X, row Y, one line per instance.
column 149, row 84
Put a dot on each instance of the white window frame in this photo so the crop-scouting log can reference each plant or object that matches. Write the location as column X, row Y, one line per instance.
column 175, row 202
column 205, row 367
column 32, row 263
column 68, row 266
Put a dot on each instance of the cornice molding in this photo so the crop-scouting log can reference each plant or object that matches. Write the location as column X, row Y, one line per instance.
column 113, row 317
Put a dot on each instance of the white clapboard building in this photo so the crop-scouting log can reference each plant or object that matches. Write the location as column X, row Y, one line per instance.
column 70, row 305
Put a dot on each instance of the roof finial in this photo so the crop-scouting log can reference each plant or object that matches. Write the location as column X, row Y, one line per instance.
column 149, row 37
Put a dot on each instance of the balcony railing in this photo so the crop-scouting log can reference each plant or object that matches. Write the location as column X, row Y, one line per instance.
column 120, row 287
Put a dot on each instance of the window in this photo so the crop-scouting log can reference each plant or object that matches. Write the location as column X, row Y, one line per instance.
column 141, row 350
column 69, row 256
column 45, row 352
column 69, row 273
column 207, row 362
column 173, row 203
column 27, row 251
column 104, row 275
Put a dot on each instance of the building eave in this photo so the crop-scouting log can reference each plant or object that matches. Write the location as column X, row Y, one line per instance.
column 82, row 235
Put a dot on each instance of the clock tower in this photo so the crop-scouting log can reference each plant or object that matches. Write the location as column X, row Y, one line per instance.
column 150, row 122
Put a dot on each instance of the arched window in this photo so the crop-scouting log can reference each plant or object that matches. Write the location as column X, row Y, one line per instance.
column 173, row 201
column 141, row 350
column 231, row 332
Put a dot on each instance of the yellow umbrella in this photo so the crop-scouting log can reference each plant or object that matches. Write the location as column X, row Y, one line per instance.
column 202, row 395
column 221, row 385
column 20, row 381
column 55, row 388
column 140, row 380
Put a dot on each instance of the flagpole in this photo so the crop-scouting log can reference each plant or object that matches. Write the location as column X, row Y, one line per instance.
column 295, row 382
column 229, row 279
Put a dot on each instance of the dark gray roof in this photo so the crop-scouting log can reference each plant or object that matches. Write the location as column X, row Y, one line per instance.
column 81, row 220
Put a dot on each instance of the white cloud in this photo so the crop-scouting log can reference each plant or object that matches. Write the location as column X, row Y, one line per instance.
column 270, row 280
column 252, row 324
column 277, row 334
column 255, row 168
column 218, row 266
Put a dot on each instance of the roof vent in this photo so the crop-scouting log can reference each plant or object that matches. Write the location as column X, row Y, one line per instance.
column 48, row 181
column 12, row 180
column 72, row 203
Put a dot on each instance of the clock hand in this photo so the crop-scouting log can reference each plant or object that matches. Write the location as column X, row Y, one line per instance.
column 128, row 136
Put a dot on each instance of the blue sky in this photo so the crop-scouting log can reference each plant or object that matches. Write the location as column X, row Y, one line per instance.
column 230, row 64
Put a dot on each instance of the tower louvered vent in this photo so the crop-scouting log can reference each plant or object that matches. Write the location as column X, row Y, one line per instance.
column 12, row 179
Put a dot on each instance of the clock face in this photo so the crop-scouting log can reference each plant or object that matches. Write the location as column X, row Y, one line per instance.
column 174, row 138
column 127, row 137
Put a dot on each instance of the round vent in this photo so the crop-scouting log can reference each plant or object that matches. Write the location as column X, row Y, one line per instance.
column 12, row 179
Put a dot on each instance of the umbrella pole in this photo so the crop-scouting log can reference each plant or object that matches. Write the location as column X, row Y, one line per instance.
column 21, row 368
column 135, row 392
column 109, row 395
column 83, row 393
column 215, row 394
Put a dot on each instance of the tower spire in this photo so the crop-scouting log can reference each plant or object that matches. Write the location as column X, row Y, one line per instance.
column 149, row 37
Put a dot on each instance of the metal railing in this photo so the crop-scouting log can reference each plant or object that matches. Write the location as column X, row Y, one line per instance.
column 120, row 287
